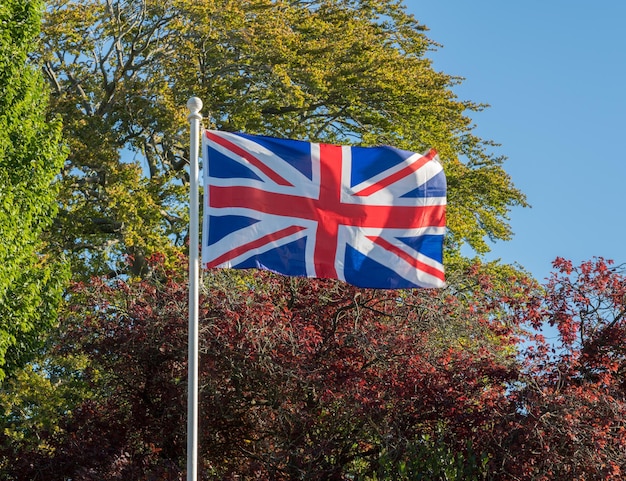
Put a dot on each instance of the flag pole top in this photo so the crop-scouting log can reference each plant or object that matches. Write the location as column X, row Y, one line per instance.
column 194, row 104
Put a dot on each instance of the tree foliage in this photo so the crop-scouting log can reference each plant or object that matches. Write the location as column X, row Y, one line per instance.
column 31, row 155
column 329, row 70
column 573, row 396
column 312, row 379
column 300, row 379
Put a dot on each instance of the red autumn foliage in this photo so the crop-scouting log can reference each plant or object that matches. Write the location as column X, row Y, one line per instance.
column 314, row 379
column 573, row 392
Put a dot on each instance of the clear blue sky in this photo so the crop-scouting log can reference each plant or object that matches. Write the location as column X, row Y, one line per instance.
column 554, row 73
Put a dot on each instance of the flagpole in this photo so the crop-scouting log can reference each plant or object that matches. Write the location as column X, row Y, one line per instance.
column 194, row 105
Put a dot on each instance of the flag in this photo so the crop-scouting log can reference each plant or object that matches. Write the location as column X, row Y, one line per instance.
column 370, row 216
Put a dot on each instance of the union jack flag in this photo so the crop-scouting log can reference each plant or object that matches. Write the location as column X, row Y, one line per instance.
column 370, row 216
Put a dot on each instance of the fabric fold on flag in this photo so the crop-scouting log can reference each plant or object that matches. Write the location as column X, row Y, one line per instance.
column 370, row 216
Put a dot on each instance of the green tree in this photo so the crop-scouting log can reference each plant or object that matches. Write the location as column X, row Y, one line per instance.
column 31, row 155
column 329, row 70
column 121, row 72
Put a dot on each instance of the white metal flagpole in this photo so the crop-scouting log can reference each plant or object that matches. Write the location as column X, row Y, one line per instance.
column 194, row 105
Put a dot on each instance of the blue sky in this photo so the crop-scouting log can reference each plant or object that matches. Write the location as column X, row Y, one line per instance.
column 554, row 73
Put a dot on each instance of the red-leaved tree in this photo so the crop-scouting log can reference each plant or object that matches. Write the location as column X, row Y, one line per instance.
column 315, row 379
column 572, row 396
